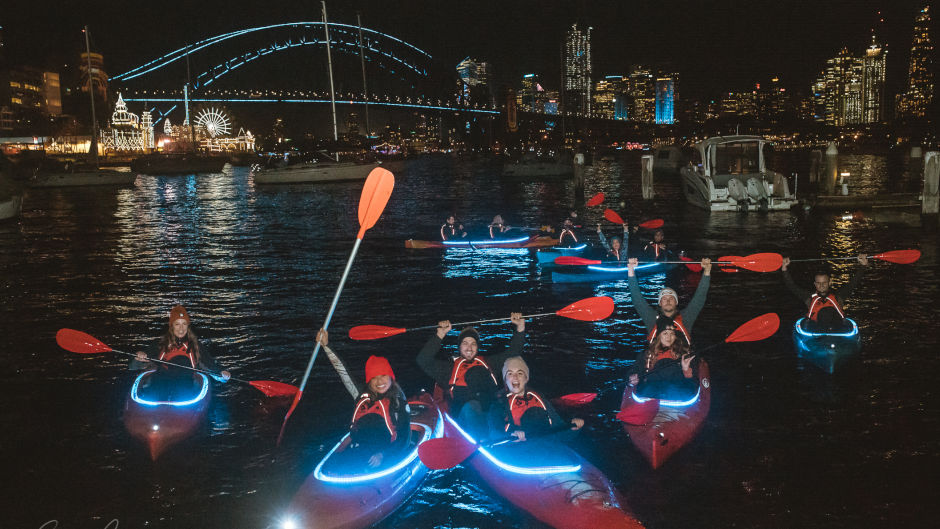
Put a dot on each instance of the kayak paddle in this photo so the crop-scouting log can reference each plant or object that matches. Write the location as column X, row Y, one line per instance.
column 758, row 262
column 375, row 194
column 596, row 200
column 894, row 256
column 612, row 216
column 575, row 399
column 587, row 309
column 651, row 224
column 80, row 342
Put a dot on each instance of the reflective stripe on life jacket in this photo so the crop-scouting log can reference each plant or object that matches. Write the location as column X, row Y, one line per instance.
column 564, row 231
column 380, row 408
column 182, row 350
column 820, row 302
column 679, row 327
column 461, row 366
column 518, row 405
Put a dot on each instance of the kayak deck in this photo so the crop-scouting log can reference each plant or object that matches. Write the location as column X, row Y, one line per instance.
column 160, row 424
column 828, row 351
column 527, row 241
column 605, row 272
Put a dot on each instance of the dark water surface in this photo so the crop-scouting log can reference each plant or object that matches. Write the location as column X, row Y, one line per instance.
column 784, row 445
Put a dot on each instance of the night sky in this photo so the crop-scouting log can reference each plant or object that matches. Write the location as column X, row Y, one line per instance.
column 715, row 46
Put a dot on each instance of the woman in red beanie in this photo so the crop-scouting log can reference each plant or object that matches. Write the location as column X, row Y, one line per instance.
column 381, row 424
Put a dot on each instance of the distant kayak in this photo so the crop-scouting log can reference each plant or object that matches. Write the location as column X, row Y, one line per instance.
column 527, row 241
column 605, row 272
column 830, row 350
column 161, row 422
column 546, row 257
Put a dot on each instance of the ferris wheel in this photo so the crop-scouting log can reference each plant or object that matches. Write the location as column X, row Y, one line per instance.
column 215, row 120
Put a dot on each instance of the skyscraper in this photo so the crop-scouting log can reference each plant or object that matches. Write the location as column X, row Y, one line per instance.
column 918, row 96
column 839, row 90
column 578, row 71
column 641, row 88
column 475, row 80
column 665, row 99
column 873, row 82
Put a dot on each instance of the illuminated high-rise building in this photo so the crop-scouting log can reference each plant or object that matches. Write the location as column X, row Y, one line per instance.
column 578, row 71
column 52, row 93
column 916, row 99
column 531, row 94
column 605, row 95
column 665, row 99
column 873, row 82
column 839, row 90
column 475, row 81
column 641, row 89
column 99, row 79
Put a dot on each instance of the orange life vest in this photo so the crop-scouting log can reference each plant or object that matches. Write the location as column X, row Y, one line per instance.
column 461, row 366
column 182, row 350
column 518, row 405
column 818, row 303
column 679, row 327
column 379, row 407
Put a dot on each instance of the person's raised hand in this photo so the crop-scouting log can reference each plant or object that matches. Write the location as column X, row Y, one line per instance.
column 443, row 327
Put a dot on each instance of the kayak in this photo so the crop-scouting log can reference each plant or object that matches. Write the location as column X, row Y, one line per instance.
column 162, row 423
column 605, row 272
column 547, row 256
column 526, row 241
column 827, row 350
column 340, row 498
column 672, row 425
column 549, row 481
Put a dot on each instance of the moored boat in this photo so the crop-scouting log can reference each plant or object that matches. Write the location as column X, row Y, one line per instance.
column 674, row 424
column 178, row 163
column 526, row 241
column 339, row 498
column 829, row 350
column 605, row 272
column 11, row 207
column 546, row 256
column 314, row 172
column 550, row 481
column 160, row 424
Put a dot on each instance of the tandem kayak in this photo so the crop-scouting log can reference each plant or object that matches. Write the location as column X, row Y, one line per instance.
column 160, row 423
column 340, row 498
column 527, row 241
column 827, row 350
column 671, row 426
column 549, row 481
column 602, row 272
column 547, row 256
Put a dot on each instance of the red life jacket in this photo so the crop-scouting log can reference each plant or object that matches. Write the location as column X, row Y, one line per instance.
column 818, row 303
column 461, row 366
column 679, row 327
column 518, row 405
column 667, row 354
column 182, row 350
column 380, row 408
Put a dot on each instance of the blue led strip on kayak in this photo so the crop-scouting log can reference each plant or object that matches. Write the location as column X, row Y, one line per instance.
column 140, row 400
column 596, row 268
column 853, row 332
column 513, row 468
column 485, row 243
column 359, row 478
column 568, row 249
column 671, row 403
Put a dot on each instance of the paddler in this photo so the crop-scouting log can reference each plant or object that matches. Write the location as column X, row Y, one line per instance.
column 452, row 230
column 178, row 345
column 498, row 227
column 522, row 411
column 618, row 247
column 381, row 425
column 655, row 250
column 566, row 235
column 468, row 379
column 825, row 305
column 669, row 303
column 665, row 367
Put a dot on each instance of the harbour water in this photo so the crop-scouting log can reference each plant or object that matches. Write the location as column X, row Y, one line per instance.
column 784, row 445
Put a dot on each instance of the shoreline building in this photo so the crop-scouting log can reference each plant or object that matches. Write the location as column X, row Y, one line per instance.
column 665, row 113
column 873, row 82
column 127, row 132
column 917, row 98
column 578, row 70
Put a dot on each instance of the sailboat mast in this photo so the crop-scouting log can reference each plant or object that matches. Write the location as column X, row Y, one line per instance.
column 329, row 61
column 93, row 147
column 362, row 59
column 192, row 128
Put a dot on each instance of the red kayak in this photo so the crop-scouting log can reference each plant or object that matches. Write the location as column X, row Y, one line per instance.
column 525, row 241
column 549, row 481
column 666, row 425
column 349, row 500
column 162, row 423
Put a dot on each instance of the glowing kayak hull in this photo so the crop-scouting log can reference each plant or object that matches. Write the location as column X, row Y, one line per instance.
column 528, row 241
column 828, row 351
column 672, row 427
column 546, row 257
column 600, row 273
column 160, row 425
column 328, row 501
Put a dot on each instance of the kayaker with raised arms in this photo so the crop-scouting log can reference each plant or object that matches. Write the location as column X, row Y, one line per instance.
column 618, row 247
column 178, row 345
column 468, row 379
column 825, row 306
column 380, row 424
column 668, row 363
column 669, row 303
column 451, row 229
column 522, row 411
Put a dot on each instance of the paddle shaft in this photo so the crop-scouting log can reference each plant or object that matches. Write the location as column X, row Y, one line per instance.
column 829, row 259
column 428, row 327
column 180, row 366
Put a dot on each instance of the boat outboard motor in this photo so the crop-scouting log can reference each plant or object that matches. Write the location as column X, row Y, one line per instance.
column 738, row 192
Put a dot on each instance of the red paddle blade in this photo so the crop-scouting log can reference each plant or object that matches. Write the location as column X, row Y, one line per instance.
column 759, row 262
column 576, row 399
column 373, row 332
column 79, row 342
column 274, row 389
column 374, row 197
column 761, row 327
column 595, row 200
column 589, row 309
column 290, row 412
column 693, row 266
column 652, row 224
column 899, row 256
column 445, row 452
column 574, row 260
column 612, row 216
column 729, row 267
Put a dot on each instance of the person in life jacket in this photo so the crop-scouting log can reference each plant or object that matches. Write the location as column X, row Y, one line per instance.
column 380, row 427
column 521, row 410
column 664, row 369
column 618, row 247
column 655, row 250
column 468, row 380
column 669, row 303
column 178, row 345
column 566, row 235
column 498, row 227
column 825, row 306
column 452, row 230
